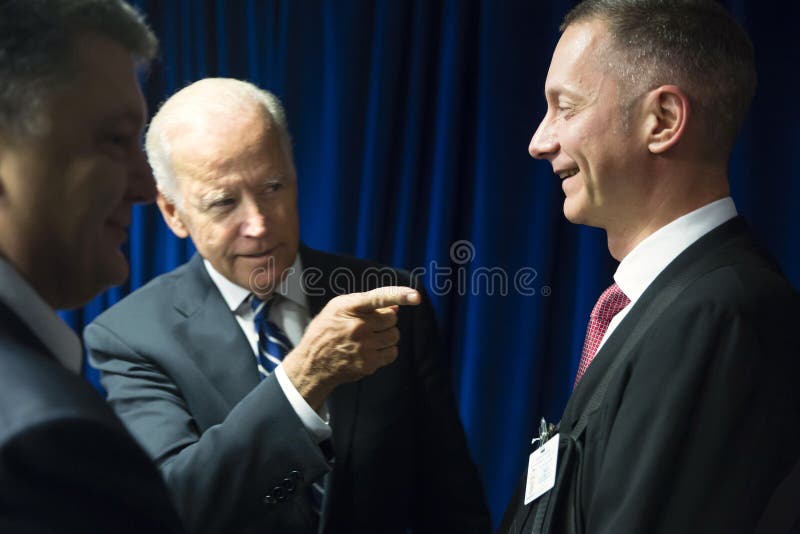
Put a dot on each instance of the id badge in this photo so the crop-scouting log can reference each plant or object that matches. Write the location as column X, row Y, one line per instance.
column 542, row 470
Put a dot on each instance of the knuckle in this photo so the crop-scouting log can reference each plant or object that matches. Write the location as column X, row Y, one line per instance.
column 394, row 336
column 391, row 354
column 360, row 329
column 335, row 305
column 338, row 300
column 348, row 348
column 369, row 297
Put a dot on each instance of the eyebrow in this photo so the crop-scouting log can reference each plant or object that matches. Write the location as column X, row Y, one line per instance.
column 211, row 197
column 554, row 92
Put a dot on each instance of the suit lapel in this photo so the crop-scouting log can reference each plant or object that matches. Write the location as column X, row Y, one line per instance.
column 205, row 321
column 697, row 259
column 14, row 328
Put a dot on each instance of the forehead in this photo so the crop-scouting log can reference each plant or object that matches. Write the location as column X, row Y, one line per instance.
column 579, row 59
column 240, row 151
column 105, row 88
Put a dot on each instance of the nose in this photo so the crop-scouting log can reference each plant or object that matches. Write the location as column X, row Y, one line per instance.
column 543, row 143
column 254, row 223
column 141, row 184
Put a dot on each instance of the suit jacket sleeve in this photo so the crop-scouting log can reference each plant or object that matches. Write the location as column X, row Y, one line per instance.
column 697, row 432
column 219, row 477
column 77, row 475
column 451, row 497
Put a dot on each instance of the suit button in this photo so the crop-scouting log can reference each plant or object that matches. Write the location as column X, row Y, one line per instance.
column 289, row 485
column 269, row 499
column 279, row 493
column 296, row 475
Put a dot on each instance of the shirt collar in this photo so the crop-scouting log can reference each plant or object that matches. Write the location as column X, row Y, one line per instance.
column 32, row 310
column 646, row 261
column 235, row 295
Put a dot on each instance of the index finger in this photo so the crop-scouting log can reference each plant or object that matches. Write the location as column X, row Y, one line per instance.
column 383, row 297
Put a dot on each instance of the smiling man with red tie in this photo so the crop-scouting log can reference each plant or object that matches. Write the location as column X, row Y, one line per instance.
column 685, row 415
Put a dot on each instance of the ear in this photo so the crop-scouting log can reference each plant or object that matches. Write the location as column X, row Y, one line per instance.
column 172, row 216
column 667, row 113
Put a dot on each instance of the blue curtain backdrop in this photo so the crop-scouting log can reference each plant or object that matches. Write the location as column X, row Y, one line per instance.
column 411, row 120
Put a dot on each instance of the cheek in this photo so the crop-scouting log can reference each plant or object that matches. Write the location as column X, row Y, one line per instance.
column 202, row 233
column 594, row 148
column 95, row 192
column 218, row 238
column 576, row 138
column 285, row 218
column 99, row 175
column 286, row 222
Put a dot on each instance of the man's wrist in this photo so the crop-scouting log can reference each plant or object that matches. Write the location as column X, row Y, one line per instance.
column 308, row 384
column 313, row 419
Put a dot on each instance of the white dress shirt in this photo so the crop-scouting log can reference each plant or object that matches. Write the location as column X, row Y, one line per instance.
column 290, row 312
column 60, row 339
column 645, row 262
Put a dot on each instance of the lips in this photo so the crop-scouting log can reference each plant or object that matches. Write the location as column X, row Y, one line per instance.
column 117, row 231
column 122, row 220
column 567, row 173
column 119, row 218
column 260, row 254
column 119, row 223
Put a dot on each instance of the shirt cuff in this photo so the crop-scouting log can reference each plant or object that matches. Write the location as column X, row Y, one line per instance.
column 319, row 428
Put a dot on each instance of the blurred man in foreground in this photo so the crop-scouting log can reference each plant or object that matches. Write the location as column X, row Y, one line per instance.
column 685, row 415
column 248, row 379
column 71, row 167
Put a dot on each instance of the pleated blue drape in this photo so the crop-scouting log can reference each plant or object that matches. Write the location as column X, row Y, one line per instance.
column 411, row 120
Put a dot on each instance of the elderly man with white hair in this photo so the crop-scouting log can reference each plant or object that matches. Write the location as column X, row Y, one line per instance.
column 269, row 399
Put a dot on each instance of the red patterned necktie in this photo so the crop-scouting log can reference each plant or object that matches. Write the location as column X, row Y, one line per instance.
column 608, row 305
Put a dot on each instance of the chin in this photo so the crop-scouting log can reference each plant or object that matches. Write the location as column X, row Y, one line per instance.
column 571, row 214
column 578, row 212
column 82, row 291
column 111, row 271
column 261, row 280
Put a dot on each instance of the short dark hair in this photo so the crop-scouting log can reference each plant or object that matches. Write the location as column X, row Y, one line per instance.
column 694, row 44
column 37, row 50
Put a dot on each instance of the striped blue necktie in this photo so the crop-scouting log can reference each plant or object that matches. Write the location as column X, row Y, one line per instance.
column 273, row 345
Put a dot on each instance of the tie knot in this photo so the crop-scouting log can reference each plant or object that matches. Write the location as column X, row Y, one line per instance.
column 260, row 307
column 610, row 303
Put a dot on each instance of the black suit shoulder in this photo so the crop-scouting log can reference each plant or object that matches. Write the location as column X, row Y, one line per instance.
column 36, row 389
column 66, row 462
column 708, row 380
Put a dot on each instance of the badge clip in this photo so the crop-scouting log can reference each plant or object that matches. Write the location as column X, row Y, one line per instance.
column 544, row 433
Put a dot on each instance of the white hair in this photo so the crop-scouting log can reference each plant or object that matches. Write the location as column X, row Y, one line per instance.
column 198, row 106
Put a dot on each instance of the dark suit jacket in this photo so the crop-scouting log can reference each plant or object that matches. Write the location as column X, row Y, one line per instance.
column 182, row 376
column 67, row 465
column 702, row 422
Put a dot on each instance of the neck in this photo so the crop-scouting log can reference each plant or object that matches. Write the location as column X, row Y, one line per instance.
column 624, row 236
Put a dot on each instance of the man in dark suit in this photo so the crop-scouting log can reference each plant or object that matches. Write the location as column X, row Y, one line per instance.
column 245, row 436
column 685, row 415
column 71, row 167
